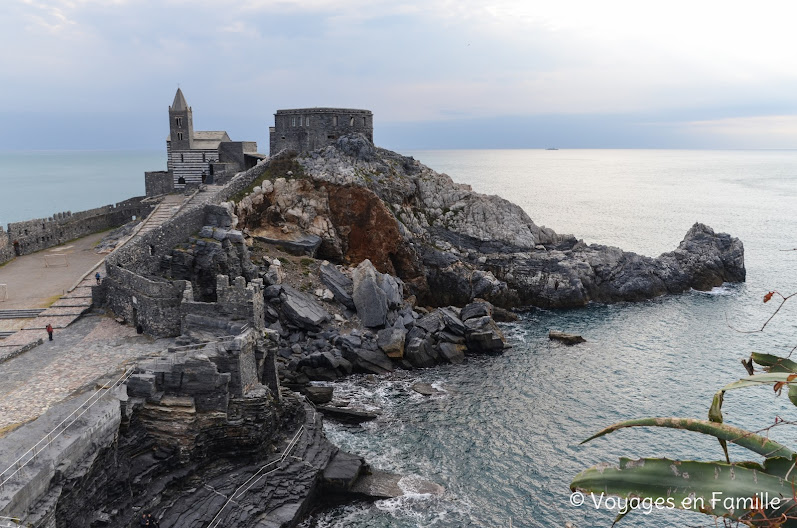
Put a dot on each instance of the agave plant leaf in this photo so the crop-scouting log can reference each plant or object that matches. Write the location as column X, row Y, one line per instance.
column 775, row 378
column 717, row 488
column 774, row 363
column 715, row 415
column 754, row 442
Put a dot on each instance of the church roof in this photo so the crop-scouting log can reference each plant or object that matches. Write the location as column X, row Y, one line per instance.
column 179, row 101
column 207, row 139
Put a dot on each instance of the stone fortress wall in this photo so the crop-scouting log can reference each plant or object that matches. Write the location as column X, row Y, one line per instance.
column 132, row 288
column 306, row 129
column 23, row 238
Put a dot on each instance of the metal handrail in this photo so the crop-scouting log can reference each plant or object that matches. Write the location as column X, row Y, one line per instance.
column 214, row 523
column 51, row 436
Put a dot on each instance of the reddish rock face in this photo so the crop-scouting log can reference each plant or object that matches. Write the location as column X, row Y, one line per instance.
column 368, row 230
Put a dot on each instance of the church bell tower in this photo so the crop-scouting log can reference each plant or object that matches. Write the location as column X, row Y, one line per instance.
column 181, row 124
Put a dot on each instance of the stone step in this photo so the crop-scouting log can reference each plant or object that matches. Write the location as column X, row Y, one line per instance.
column 21, row 313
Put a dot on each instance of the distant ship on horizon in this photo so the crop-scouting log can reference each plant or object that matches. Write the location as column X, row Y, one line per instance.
column 552, row 148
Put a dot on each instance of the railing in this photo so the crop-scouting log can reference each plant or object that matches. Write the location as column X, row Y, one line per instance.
column 246, row 486
column 30, row 455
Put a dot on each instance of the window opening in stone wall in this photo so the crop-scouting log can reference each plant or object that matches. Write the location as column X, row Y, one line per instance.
column 179, row 136
column 293, row 121
column 300, row 121
column 351, row 121
column 364, row 122
column 178, row 121
column 203, row 157
column 307, row 121
column 330, row 137
column 334, row 120
column 283, row 137
column 182, row 158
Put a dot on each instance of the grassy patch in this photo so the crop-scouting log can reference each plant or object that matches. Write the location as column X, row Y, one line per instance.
column 307, row 262
column 277, row 168
column 51, row 300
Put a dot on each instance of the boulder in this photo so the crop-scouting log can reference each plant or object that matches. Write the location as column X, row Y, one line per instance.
column 478, row 308
column 302, row 244
column 424, row 389
column 302, row 310
column 451, row 321
column 420, row 350
column 482, row 335
column 339, row 284
column 342, row 472
column 318, row 395
column 567, row 339
column 370, row 299
column 391, row 341
column 347, row 414
column 369, row 361
column 452, row 352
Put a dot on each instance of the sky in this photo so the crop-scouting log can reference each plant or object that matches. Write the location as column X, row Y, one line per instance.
column 100, row 74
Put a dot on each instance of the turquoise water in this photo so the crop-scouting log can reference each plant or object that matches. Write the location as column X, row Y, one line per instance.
column 503, row 438
column 37, row 184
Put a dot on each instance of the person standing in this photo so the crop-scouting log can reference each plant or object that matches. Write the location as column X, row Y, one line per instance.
column 97, row 276
column 49, row 329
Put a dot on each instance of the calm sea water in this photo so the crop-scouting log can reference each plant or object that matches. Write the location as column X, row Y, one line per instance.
column 37, row 184
column 503, row 436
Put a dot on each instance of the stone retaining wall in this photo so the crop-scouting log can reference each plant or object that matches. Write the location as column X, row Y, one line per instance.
column 42, row 233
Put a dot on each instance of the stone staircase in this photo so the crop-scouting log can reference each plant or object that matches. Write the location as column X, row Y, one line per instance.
column 162, row 212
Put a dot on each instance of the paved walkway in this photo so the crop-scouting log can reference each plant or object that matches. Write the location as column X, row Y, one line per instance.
column 32, row 284
column 78, row 356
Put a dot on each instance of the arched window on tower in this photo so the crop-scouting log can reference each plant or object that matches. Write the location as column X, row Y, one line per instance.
column 351, row 121
column 301, row 121
column 179, row 136
column 182, row 158
column 178, row 121
column 293, row 121
column 365, row 122
column 307, row 121
column 203, row 157
column 334, row 120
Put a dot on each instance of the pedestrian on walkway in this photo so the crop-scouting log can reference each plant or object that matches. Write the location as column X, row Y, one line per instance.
column 97, row 276
column 49, row 329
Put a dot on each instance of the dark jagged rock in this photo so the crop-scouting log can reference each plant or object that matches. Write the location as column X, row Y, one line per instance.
column 318, row 395
column 482, row 335
column 383, row 485
column 347, row 415
column 424, row 389
column 391, row 342
column 339, row 284
column 567, row 339
column 302, row 310
column 303, row 244
column 369, row 297
column 369, row 361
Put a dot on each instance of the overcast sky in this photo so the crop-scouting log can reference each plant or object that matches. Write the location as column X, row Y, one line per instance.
column 100, row 74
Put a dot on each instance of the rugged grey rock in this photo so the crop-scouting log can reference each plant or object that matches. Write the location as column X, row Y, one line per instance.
column 452, row 245
column 370, row 298
column 339, row 284
column 302, row 310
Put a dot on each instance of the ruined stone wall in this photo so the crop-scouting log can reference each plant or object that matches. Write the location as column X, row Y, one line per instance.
column 132, row 289
column 6, row 248
column 42, row 233
column 306, row 129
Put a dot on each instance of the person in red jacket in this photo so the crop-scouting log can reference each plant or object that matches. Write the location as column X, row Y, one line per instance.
column 49, row 329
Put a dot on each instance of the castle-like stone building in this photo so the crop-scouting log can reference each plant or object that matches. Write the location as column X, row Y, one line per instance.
column 195, row 156
column 306, row 129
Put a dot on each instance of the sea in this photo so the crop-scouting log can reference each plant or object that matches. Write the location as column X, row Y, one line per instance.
column 503, row 435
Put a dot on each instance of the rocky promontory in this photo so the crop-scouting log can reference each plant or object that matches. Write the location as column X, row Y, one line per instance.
column 450, row 245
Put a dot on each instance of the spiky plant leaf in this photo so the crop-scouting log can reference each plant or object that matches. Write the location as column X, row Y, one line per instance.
column 716, row 488
column 774, row 363
column 754, row 442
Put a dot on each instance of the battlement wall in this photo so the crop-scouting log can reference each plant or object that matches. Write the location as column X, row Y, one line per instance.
column 6, row 249
column 43, row 233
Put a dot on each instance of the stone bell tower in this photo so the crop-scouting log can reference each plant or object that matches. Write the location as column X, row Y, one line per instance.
column 181, row 124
